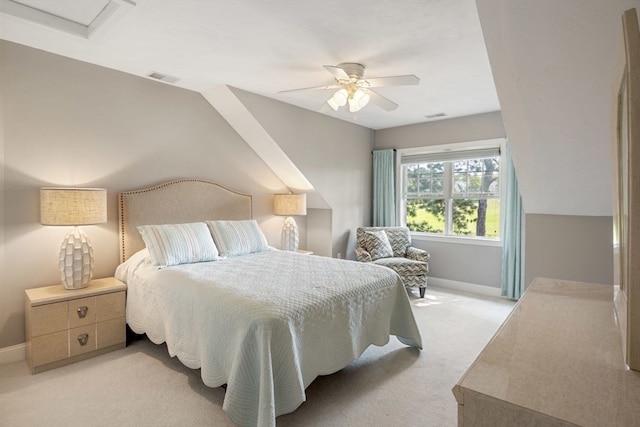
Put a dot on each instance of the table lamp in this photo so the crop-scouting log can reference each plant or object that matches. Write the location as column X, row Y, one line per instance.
column 288, row 205
column 75, row 207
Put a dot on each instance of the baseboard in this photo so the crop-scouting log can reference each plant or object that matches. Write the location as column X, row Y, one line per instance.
column 464, row 286
column 12, row 354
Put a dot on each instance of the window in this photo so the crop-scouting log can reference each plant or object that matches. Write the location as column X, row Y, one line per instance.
column 452, row 193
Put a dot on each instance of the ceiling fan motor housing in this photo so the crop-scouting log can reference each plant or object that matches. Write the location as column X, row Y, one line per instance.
column 354, row 70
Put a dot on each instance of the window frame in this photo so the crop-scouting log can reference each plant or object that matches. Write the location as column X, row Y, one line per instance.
column 448, row 148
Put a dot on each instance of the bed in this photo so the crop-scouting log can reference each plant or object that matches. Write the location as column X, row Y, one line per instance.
column 262, row 321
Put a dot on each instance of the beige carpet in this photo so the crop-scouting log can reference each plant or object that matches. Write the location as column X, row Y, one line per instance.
column 388, row 386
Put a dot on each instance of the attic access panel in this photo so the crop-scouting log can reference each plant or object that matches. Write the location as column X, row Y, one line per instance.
column 80, row 18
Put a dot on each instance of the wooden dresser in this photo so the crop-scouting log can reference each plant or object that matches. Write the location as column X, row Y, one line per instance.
column 556, row 361
column 64, row 326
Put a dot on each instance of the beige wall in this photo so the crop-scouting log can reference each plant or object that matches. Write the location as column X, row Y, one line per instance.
column 447, row 131
column 69, row 123
column 334, row 155
column 66, row 122
column 466, row 263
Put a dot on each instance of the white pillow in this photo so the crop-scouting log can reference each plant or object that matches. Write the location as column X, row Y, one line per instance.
column 377, row 244
column 173, row 244
column 125, row 269
column 238, row 237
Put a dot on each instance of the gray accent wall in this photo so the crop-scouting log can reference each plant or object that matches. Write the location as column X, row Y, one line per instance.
column 569, row 247
column 459, row 262
column 466, row 263
column 70, row 123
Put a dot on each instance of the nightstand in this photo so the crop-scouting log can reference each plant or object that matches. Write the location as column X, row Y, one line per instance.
column 64, row 326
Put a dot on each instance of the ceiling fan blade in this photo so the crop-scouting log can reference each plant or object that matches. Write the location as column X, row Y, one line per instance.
column 408, row 79
column 336, row 72
column 382, row 102
column 307, row 89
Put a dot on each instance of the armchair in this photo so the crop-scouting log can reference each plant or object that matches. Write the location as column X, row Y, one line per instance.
column 391, row 247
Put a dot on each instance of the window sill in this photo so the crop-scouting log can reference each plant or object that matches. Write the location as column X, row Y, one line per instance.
column 456, row 239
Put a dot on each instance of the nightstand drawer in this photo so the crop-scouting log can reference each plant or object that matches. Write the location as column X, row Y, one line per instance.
column 82, row 340
column 82, row 311
column 64, row 326
column 50, row 348
column 48, row 318
column 110, row 306
column 111, row 332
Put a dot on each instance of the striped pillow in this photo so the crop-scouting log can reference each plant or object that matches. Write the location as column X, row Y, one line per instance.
column 173, row 244
column 238, row 237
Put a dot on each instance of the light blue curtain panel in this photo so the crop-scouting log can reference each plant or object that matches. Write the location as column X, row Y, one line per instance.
column 384, row 196
column 512, row 234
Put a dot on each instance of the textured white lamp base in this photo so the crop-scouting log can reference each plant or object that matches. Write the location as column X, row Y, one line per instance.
column 76, row 260
column 290, row 238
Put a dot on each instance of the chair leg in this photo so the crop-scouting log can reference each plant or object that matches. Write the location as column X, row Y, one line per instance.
column 422, row 290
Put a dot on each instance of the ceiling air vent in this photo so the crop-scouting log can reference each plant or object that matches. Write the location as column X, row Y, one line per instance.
column 435, row 116
column 162, row 77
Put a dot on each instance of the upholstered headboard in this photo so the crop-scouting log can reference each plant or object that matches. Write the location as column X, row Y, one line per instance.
column 175, row 202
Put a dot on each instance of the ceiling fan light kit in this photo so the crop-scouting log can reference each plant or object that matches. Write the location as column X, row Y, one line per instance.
column 354, row 89
column 338, row 99
column 359, row 99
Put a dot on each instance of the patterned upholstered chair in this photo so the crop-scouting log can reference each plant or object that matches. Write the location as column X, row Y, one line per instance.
column 391, row 247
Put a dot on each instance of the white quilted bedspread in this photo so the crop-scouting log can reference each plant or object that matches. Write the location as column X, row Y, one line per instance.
column 267, row 324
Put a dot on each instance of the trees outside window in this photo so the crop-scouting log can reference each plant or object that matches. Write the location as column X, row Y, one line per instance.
column 452, row 193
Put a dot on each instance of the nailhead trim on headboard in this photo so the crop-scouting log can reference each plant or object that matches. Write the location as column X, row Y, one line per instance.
column 191, row 200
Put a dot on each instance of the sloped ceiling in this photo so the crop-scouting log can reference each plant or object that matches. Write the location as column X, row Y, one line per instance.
column 554, row 65
column 265, row 47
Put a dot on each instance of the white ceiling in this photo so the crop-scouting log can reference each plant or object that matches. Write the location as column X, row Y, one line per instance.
column 266, row 46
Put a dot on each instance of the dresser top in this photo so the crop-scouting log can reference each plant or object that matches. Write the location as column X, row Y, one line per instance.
column 57, row 293
column 560, row 354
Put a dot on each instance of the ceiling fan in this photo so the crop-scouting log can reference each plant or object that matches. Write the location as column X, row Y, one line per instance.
column 351, row 87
